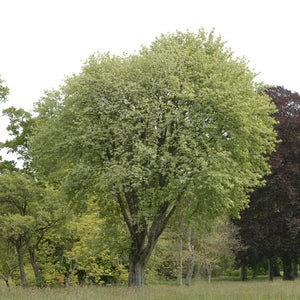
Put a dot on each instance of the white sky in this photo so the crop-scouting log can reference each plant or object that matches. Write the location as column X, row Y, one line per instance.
column 42, row 41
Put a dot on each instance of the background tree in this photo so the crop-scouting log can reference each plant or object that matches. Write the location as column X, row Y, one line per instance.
column 20, row 128
column 270, row 226
column 27, row 211
column 8, row 261
column 3, row 91
column 180, row 119
column 284, row 183
column 215, row 246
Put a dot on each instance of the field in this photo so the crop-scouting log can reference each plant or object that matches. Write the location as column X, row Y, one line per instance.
column 218, row 290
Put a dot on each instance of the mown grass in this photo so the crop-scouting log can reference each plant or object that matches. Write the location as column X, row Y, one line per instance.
column 217, row 290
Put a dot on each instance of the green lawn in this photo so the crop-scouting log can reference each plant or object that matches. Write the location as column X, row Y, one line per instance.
column 217, row 290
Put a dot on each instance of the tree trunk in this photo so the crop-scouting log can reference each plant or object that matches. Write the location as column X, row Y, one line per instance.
column 196, row 270
column 270, row 268
column 179, row 271
column 276, row 269
column 209, row 277
column 6, row 278
column 21, row 265
column 35, row 267
column 7, row 282
column 190, row 266
column 295, row 267
column 144, row 234
column 287, row 269
column 138, row 258
column 136, row 272
column 254, row 274
column 72, row 268
column 244, row 272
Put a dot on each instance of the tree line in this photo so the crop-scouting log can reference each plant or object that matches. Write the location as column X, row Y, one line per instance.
column 132, row 149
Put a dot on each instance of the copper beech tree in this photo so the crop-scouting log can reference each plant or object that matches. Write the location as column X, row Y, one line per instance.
column 270, row 227
column 181, row 120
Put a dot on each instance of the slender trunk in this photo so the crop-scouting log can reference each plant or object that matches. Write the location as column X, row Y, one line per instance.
column 5, row 277
column 119, row 272
column 72, row 268
column 190, row 266
column 180, row 243
column 35, row 267
column 21, row 265
column 7, row 282
column 196, row 271
column 270, row 268
column 209, row 277
column 244, row 272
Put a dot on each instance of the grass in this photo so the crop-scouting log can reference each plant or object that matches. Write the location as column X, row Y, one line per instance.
column 217, row 290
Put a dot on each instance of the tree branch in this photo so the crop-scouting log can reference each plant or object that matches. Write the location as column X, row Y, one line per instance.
column 125, row 215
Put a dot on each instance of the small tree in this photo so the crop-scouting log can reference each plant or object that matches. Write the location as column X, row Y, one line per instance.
column 215, row 245
column 27, row 211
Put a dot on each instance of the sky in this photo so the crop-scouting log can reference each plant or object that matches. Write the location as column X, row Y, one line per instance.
column 43, row 41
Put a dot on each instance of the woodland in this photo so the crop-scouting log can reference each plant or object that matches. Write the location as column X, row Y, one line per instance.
column 163, row 165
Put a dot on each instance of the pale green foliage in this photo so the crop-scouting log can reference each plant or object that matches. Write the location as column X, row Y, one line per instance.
column 181, row 114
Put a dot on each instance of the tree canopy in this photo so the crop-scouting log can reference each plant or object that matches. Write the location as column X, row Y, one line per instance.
column 178, row 122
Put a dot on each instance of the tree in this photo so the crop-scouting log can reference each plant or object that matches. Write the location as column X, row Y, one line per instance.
column 3, row 91
column 283, row 185
column 214, row 246
column 27, row 211
column 8, row 261
column 179, row 121
column 270, row 226
column 20, row 128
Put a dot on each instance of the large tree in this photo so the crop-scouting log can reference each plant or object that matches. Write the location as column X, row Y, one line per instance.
column 180, row 121
column 271, row 224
